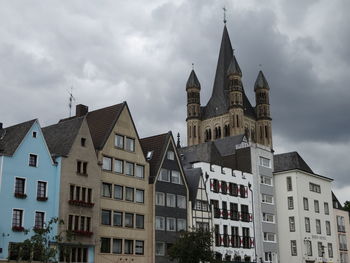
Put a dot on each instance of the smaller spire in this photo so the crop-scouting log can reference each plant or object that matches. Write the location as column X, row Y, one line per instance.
column 193, row 81
column 261, row 82
column 178, row 145
column 233, row 68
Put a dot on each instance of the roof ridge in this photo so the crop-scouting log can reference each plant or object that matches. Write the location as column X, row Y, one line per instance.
column 63, row 122
column 152, row 136
column 21, row 123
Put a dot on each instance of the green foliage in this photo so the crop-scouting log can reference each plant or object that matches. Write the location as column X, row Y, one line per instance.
column 193, row 247
column 41, row 246
column 347, row 205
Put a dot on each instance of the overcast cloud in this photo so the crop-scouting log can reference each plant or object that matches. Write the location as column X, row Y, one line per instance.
column 141, row 52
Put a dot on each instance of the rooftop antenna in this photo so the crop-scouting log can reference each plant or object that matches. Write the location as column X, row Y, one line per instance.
column 192, row 66
column 224, row 8
column 71, row 99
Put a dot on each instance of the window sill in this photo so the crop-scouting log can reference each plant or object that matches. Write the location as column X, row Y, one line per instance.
column 17, row 228
column 81, row 203
column 20, row 195
column 41, row 199
column 82, row 174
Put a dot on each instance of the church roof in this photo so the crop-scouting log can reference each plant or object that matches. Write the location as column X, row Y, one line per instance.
column 193, row 81
column 234, row 68
column 218, row 103
column 261, row 82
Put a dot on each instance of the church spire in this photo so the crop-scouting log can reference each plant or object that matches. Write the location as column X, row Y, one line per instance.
column 261, row 82
column 234, row 68
column 193, row 81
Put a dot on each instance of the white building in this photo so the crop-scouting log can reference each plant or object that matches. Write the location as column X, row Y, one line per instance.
column 304, row 211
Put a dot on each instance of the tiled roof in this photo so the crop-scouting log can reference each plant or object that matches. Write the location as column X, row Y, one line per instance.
column 290, row 161
column 12, row 137
column 60, row 137
column 157, row 144
column 193, row 176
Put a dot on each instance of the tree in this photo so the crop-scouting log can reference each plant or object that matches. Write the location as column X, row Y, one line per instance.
column 193, row 247
column 347, row 205
column 41, row 246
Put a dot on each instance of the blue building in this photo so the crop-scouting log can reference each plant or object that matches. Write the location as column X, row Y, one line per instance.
column 29, row 184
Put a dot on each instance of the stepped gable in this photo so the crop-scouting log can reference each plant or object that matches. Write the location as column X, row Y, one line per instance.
column 11, row 137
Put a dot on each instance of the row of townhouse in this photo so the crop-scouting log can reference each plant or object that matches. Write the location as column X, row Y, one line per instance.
column 121, row 198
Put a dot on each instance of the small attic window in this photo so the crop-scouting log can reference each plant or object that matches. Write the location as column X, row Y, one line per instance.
column 34, row 134
column 83, row 142
column 149, row 155
column 170, row 155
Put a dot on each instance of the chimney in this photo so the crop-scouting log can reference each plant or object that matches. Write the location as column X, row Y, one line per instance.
column 81, row 110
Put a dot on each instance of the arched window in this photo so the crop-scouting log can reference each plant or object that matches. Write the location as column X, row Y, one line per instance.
column 194, row 131
column 209, row 134
column 253, row 135
column 227, row 130
column 189, row 131
column 237, row 119
column 219, row 132
column 261, row 132
column 266, row 131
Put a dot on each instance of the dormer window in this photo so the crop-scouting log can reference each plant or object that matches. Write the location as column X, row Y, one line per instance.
column 83, row 142
column 34, row 134
column 170, row 155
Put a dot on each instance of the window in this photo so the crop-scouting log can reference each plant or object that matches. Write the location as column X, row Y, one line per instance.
column 140, row 221
column 201, row 205
column 139, row 247
column 265, row 162
column 290, row 203
column 268, row 218
column 291, row 224
column 320, row 249
column 202, row 226
column 129, row 220
column 129, row 169
column 129, row 194
column 326, row 208
column 118, row 166
column 119, row 141
column 342, row 242
column 39, row 220
column 160, row 223
column 175, row 177
column 330, row 250
column 118, row 192
column 130, row 144
column 17, row 218
column 215, row 184
column 307, row 225
column 82, row 167
column 289, row 184
column 160, row 198
column 33, row 160
column 117, row 246
column 34, row 134
column 106, row 190
column 269, row 237
column 267, row 198
column 223, row 187
column 340, row 224
column 106, row 217
column 139, row 196
column 20, row 186
column 105, row 245
column 317, row 206
column 160, row 249
column 128, row 246
column 328, row 228
column 268, row 257
column 243, row 191
column 107, row 163
column 140, row 171
column 181, row 201
column 117, row 218
column 181, row 224
column 164, row 175
column 170, row 200
column 318, row 226
column 41, row 190
column 89, row 195
column 306, row 203
column 170, row 155
column 315, row 188
column 83, row 142
column 266, row 180
column 170, row 224
column 293, row 247
column 308, row 247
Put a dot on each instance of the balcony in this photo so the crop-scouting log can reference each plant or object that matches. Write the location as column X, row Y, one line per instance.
column 217, row 213
column 81, row 203
column 234, row 215
column 234, row 241
column 20, row 195
column 224, row 213
column 246, row 217
column 226, row 240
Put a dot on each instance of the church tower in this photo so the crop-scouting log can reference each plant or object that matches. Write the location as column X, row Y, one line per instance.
column 193, row 88
column 263, row 124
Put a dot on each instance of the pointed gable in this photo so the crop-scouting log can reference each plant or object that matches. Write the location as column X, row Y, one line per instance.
column 11, row 137
column 193, row 177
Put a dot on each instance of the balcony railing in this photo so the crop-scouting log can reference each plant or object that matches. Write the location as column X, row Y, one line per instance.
column 233, row 215
column 234, row 241
column 81, row 203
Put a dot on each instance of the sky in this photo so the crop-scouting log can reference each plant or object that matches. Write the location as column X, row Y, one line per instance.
column 142, row 52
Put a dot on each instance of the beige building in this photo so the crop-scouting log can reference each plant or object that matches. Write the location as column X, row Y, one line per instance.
column 71, row 145
column 342, row 227
column 124, row 228
column 228, row 111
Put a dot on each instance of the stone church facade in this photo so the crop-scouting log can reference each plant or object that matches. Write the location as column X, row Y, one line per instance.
column 228, row 111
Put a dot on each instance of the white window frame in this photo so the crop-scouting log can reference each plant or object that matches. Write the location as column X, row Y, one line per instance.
column 170, row 155
column 172, row 219
column 263, row 180
column 46, row 190
column 115, row 163
column 163, row 198
column 266, row 160
column 162, row 219
column 168, row 175
column 44, row 220
column 178, row 176
column 266, row 236
column 182, row 222
column 263, row 200
column 265, row 215
column 168, row 200
column 136, row 169
column 37, row 159
column 143, row 195
column 23, row 217
column 25, row 184
column 183, row 198
column 111, row 166
column 162, row 250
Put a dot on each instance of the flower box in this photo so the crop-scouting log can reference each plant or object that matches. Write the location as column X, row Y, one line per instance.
column 41, row 198
column 20, row 195
column 17, row 228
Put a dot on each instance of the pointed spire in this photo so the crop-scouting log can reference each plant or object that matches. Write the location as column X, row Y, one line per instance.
column 234, row 68
column 178, row 144
column 261, row 82
column 193, row 81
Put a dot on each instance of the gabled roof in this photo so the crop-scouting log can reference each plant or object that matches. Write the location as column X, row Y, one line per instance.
column 290, row 161
column 218, row 103
column 157, row 144
column 12, row 137
column 227, row 146
column 61, row 136
column 336, row 203
column 193, row 81
column 193, row 177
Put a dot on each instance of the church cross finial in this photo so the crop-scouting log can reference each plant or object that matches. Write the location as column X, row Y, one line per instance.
column 192, row 66
column 224, row 8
